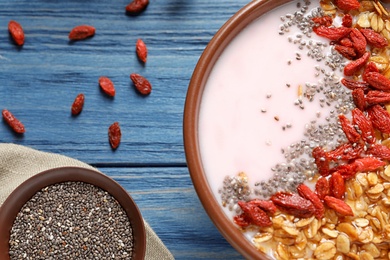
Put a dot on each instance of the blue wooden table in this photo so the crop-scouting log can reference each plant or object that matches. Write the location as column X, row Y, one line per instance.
column 39, row 81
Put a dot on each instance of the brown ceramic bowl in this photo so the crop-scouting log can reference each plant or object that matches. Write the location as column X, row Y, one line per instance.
column 223, row 37
column 16, row 200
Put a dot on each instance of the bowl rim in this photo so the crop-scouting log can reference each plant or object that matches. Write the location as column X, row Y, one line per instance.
column 15, row 201
column 210, row 55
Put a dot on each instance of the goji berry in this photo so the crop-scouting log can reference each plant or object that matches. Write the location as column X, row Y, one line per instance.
column 78, row 104
column 322, row 187
column 141, row 50
column 16, row 31
column 370, row 67
column 359, row 42
column 107, row 86
column 347, row 20
column 321, row 160
column 380, row 118
column 347, row 171
column 338, row 206
column 266, row 205
column 359, row 99
column 374, row 39
column 350, row 132
column 374, row 97
column 13, row 122
column 354, row 66
column 347, row 52
column 379, row 151
column 346, row 42
column 331, row 33
column 141, row 84
column 81, row 32
column 305, row 192
column 242, row 220
column 353, row 84
column 368, row 164
column 293, row 204
column 378, row 81
column 137, row 6
column 346, row 151
column 114, row 135
column 337, row 185
column 256, row 215
column 325, row 20
column 365, row 126
column 347, row 5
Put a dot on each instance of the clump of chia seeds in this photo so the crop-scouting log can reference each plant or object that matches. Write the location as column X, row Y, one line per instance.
column 71, row 220
column 299, row 165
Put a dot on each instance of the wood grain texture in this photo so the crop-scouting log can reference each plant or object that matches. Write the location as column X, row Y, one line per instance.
column 39, row 81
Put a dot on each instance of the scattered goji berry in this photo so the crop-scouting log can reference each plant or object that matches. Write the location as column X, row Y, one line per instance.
column 78, row 104
column 347, row 5
column 107, row 86
column 365, row 126
column 141, row 84
column 346, row 42
column 346, row 151
column 141, row 50
column 368, row 164
column 354, row 66
column 380, row 118
column 305, row 192
column 256, row 215
column 114, row 135
column 353, row 84
column 332, row 33
column 379, row 151
column 293, row 204
column 378, row 81
column 242, row 220
column 374, row 39
column 359, row 42
column 136, row 6
column 321, row 160
column 370, row 67
column 338, row 206
column 337, row 185
column 347, row 171
column 374, row 97
column 81, row 32
column 325, row 20
column 322, row 187
column 13, row 122
column 350, row 132
column 345, row 51
column 266, row 205
column 16, row 31
column 347, row 20
column 359, row 99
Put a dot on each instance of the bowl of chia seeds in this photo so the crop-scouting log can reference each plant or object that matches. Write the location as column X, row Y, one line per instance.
column 71, row 213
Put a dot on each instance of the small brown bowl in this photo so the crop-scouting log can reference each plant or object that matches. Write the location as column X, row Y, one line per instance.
column 222, row 38
column 24, row 192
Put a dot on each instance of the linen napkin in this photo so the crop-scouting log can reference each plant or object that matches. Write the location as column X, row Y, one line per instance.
column 18, row 163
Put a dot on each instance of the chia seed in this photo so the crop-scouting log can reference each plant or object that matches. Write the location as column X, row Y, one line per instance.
column 71, row 220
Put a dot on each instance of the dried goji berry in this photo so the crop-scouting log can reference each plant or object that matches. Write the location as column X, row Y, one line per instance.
column 365, row 126
column 338, row 205
column 346, row 151
column 368, row 164
column 347, row 5
column 107, row 86
column 359, row 42
column 325, row 20
column 78, row 104
column 380, row 118
column 374, row 97
column 347, row 20
column 293, row 204
column 321, row 160
column 350, row 132
column 322, row 187
column 265, row 205
column 16, row 31
column 347, row 52
column 353, row 84
column 378, row 81
column 13, row 122
column 305, row 192
column 256, row 215
column 374, row 39
column 379, row 151
column 332, row 33
column 242, row 220
column 359, row 99
column 141, row 50
column 114, row 135
column 354, row 66
column 141, row 84
column 337, row 185
column 370, row 67
column 347, row 171
column 346, row 42
column 81, row 32
column 137, row 6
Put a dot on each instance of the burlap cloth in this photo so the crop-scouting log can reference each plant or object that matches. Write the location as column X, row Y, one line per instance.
column 18, row 163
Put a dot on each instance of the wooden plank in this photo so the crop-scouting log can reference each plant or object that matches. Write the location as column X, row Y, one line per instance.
column 169, row 203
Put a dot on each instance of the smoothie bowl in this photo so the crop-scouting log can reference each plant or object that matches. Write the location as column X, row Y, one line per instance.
column 71, row 213
column 284, row 130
